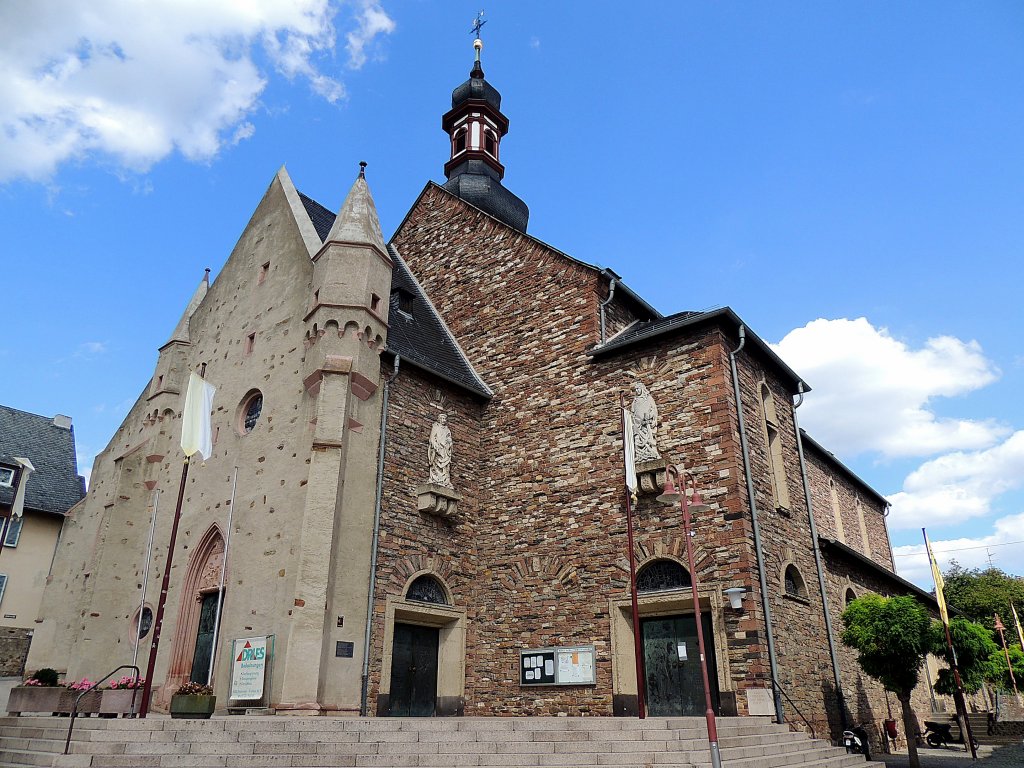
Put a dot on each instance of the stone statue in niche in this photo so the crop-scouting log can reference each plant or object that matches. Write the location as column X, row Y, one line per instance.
column 645, row 424
column 439, row 452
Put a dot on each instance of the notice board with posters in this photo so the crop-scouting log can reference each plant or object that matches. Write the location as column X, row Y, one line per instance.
column 566, row 665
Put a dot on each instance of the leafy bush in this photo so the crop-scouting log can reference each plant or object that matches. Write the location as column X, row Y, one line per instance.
column 45, row 678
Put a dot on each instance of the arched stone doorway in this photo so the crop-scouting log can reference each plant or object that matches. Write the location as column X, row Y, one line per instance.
column 193, row 635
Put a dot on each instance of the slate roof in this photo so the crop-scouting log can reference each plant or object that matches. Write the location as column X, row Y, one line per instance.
column 55, row 486
column 829, row 544
column 649, row 329
column 422, row 339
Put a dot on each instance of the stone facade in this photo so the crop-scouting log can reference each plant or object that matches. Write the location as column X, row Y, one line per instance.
column 531, row 356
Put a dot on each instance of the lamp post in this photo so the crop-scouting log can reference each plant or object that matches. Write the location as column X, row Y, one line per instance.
column 688, row 504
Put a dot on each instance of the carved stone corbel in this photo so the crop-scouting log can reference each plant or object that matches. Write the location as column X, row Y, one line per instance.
column 437, row 499
column 650, row 475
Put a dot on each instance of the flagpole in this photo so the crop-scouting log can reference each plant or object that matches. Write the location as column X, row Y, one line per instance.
column 1006, row 652
column 145, row 575
column 958, row 695
column 223, row 572
column 195, row 438
column 1020, row 633
column 637, row 643
column 147, row 688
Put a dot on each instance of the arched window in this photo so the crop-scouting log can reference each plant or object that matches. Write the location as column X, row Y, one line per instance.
column 490, row 143
column 249, row 411
column 660, row 575
column 459, row 144
column 427, row 589
column 794, row 582
column 780, row 491
column 837, row 513
column 850, row 596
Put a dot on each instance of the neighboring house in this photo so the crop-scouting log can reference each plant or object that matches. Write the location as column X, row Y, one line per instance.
column 30, row 541
column 446, row 405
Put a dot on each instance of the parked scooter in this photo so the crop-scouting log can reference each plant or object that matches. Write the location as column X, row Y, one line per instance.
column 856, row 741
column 941, row 734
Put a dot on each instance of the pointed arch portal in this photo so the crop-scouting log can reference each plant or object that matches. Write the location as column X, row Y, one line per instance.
column 193, row 637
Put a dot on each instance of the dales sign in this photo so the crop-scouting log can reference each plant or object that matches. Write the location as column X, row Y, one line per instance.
column 249, row 664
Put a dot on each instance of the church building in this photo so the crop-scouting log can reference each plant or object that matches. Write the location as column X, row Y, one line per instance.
column 430, row 511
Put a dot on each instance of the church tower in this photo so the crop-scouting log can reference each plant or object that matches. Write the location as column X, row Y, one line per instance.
column 476, row 127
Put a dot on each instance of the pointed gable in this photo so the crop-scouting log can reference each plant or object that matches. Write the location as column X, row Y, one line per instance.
column 357, row 222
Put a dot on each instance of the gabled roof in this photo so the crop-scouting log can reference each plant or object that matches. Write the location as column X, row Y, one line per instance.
column 634, row 297
column 644, row 331
column 55, row 486
column 421, row 338
column 849, row 473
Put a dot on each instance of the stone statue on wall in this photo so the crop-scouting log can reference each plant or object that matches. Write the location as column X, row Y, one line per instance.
column 645, row 424
column 439, row 452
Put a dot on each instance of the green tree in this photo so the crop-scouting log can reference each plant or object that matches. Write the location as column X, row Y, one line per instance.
column 978, row 594
column 998, row 673
column 892, row 636
column 974, row 646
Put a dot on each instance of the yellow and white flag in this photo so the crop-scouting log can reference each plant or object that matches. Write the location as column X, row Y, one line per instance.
column 1020, row 633
column 196, row 430
column 937, row 577
column 18, row 508
column 629, row 451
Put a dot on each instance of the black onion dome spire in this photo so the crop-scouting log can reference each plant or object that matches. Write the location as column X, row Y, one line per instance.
column 476, row 126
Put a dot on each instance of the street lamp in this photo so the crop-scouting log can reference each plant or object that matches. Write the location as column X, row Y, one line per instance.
column 688, row 504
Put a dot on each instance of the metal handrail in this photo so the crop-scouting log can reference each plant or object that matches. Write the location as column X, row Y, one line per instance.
column 93, row 687
column 792, row 703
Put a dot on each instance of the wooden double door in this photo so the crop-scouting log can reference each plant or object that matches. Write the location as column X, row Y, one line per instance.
column 673, row 681
column 414, row 671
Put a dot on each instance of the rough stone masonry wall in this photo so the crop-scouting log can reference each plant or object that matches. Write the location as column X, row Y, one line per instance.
column 551, row 519
column 14, row 643
column 804, row 669
column 412, row 541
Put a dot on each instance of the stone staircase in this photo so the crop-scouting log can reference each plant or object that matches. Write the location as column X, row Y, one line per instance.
column 264, row 742
column 1002, row 732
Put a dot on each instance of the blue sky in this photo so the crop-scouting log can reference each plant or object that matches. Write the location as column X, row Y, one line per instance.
column 848, row 177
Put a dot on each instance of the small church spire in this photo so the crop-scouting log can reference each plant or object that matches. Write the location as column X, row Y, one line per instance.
column 357, row 220
column 181, row 330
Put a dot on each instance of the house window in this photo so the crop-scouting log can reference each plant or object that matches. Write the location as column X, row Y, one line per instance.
column 661, row 575
column 3, row 585
column 850, row 596
column 159, row 382
column 264, row 271
column 427, row 589
column 7, row 477
column 250, row 342
column 14, row 531
column 780, row 491
column 374, row 302
column 794, row 582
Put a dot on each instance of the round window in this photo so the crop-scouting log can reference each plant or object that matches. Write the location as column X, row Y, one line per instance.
column 143, row 623
column 249, row 411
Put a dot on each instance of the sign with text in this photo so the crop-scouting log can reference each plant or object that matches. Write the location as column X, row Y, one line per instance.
column 571, row 665
column 248, row 667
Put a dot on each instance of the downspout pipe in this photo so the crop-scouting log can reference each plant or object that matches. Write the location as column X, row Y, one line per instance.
column 765, row 603
column 605, row 303
column 840, row 697
column 385, row 397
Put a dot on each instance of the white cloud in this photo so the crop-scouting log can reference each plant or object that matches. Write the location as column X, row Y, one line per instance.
column 872, row 392
column 372, row 21
column 912, row 562
column 959, row 486
column 137, row 81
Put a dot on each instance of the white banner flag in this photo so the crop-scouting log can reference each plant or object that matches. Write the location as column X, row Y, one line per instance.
column 629, row 450
column 196, row 431
column 18, row 508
